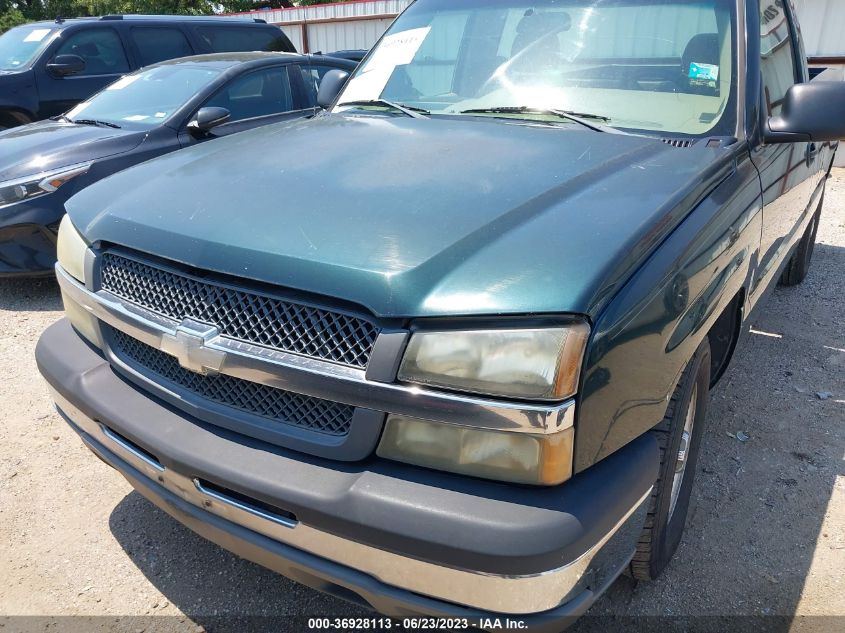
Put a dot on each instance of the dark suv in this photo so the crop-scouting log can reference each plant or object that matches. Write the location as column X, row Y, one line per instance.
column 48, row 67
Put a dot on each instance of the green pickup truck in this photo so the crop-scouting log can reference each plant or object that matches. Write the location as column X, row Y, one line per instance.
column 445, row 349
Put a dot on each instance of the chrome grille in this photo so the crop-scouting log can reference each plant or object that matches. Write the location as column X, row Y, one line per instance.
column 242, row 314
column 260, row 400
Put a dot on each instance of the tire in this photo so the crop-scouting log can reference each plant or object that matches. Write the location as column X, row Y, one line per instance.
column 667, row 513
column 799, row 264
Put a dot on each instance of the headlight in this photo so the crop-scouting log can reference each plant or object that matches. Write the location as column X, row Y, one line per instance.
column 39, row 184
column 71, row 249
column 535, row 364
column 501, row 455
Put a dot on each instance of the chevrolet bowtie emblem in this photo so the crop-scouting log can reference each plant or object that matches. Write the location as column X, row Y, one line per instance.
column 189, row 346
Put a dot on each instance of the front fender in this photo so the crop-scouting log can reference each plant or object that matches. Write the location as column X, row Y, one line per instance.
column 643, row 339
column 19, row 96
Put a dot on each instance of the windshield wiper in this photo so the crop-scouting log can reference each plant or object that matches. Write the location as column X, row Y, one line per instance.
column 94, row 122
column 576, row 117
column 416, row 113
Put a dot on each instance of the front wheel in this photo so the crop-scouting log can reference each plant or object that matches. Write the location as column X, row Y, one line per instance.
column 679, row 437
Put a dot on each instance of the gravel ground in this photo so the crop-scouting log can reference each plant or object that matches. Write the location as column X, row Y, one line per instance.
column 765, row 535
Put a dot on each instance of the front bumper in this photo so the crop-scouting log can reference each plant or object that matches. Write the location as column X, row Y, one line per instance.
column 399, row 539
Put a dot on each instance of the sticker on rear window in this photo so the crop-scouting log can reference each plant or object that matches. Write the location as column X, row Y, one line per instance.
column 703, row 72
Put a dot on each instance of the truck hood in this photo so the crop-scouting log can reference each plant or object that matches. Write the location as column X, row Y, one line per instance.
column 46, row 145
column 410, row 217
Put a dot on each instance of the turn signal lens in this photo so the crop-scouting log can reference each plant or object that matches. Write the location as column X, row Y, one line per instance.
column 536, row 363
column 544, row 460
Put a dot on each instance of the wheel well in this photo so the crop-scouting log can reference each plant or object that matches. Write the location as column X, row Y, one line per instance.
column 10, row 118
column 724, row 335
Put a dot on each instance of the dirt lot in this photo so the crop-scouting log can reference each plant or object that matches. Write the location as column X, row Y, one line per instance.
column 765, row 536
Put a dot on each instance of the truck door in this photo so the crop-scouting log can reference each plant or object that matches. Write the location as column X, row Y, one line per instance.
column 105, row 61
column 790, row 172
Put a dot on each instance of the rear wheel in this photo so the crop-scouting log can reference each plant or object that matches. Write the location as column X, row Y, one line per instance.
column 799, row 264
column 679, row 438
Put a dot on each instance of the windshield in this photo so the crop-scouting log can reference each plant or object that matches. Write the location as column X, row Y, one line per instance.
column 20, row 45
column 662, row 66
column 145, row 99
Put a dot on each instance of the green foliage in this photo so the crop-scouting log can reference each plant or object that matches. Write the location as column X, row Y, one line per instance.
column 11, row 18
column 50, row 9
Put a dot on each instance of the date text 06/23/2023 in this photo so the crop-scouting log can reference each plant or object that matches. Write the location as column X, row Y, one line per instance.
column 415, row 624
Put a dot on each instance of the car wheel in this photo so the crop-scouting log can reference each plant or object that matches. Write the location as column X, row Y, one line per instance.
column 679, row 437
column 799, row 264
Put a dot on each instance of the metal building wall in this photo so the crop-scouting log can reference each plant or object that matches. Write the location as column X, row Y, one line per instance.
column 332, row 27
column 338, row 36
column 822, row 25
column 294, row 33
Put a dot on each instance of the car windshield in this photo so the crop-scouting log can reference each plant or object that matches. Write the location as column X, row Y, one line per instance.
column 145, row 99
column 664, row 66
column 20, row 45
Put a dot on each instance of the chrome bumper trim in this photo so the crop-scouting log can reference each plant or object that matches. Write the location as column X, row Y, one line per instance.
column 320, row 379
column 501, row 594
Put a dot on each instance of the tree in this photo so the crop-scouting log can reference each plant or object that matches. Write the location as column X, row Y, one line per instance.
column 240, row 6
column 10, row 18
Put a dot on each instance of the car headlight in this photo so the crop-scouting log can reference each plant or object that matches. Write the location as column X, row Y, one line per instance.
column 526, row 363
column 14, row 191
column 71, row 249
column 525, row 458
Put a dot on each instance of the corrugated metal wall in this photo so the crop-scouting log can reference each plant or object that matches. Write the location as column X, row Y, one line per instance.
column 823, row 26
column 334, row 27
column 338, row 36
column 294, row 33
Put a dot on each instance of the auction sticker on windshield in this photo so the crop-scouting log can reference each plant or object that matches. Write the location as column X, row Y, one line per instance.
column 36, row 35
column 394, row 50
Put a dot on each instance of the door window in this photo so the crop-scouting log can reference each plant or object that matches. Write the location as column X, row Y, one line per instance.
column 228, row 39
column 158, row 44
column 312, row 76
column 777, row 61
column 259, row 93
column 101, row 49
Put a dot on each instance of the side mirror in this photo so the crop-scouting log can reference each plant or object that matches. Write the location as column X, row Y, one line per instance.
column 209, row 118
column 64, row 65
column 331, row 85
column 810, row 112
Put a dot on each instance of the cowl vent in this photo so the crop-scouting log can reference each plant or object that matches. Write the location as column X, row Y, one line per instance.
column 678, row 142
